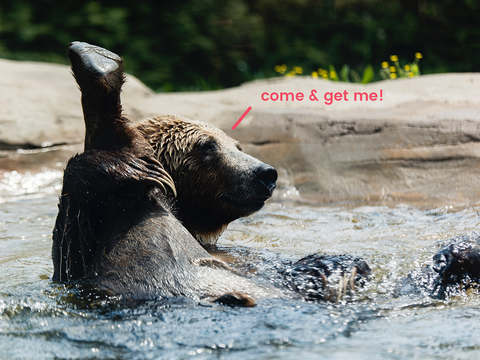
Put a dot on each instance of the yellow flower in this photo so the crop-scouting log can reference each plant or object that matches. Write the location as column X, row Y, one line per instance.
column 394, row 58
column 393, row 76
column 384, row 64
column 392, row 69
column 278, row 68
column 333, row 74
column 407, row 67
column 298, row 69
column 315, row 75
column 418, row 55
column 410, row 74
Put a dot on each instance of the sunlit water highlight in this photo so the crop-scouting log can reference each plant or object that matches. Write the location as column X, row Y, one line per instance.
column 40, row 320
column 14, row 184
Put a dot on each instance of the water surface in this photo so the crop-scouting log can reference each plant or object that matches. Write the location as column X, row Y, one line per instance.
column 42, row 320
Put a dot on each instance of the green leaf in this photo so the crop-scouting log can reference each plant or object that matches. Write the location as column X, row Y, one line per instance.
column 333, row 74
column 344, row 73
column 414, row 69
column 368, row 74
column 355, row 76
column 384, row 74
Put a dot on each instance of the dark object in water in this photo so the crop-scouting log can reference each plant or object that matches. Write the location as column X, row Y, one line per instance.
column 454, row 268
column 326, row 277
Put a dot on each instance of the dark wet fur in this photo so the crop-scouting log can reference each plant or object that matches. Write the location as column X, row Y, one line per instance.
column 114, row 228
column 326, row 277
column 455, row 268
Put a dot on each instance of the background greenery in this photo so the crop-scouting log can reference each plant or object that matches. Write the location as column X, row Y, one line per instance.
column 209, row 44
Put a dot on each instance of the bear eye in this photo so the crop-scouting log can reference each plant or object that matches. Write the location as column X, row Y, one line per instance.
column 207, row 145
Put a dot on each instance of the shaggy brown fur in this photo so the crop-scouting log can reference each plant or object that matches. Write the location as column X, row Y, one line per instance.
column 114, row 228
column 216, row 182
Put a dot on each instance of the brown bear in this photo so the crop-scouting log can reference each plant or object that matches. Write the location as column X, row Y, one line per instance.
column 216, row 182
column 115, row 228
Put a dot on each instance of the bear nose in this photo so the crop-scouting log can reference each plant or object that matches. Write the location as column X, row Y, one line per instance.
column 267, row 175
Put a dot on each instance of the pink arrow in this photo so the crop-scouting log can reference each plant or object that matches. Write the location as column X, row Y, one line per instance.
column 241, row 117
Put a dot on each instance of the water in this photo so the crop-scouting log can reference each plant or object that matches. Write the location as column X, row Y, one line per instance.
column 42, row 320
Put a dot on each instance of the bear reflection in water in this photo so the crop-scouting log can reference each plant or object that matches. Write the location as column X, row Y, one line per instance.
column 138, row 202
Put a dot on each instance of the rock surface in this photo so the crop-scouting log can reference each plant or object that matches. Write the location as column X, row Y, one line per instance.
column 420, row 143
column 40, row 104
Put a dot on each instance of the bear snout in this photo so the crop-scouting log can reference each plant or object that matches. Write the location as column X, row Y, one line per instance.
column 267, row 175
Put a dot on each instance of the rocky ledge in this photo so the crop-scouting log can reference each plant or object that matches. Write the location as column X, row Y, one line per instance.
column 417, row 141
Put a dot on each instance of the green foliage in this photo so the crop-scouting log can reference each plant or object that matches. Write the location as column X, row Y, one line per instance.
column 344, row 73
column 356, row 78
column 209, row 44
column 368, row 74
column 333, row 74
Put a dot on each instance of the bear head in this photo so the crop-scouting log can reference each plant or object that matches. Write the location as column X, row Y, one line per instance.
column 216, row 181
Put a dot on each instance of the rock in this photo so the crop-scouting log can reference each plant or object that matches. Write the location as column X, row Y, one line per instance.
column 40, row 105
column 420, row 143
column 36, row 160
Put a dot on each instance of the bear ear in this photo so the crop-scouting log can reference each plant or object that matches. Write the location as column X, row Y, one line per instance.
column 238, row 145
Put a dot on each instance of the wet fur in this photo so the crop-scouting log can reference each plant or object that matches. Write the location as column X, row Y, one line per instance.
column 114, row 228
column 453, row 269
column 216, row 182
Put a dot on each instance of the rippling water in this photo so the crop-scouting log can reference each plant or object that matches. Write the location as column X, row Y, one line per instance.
column 42, row 320
column 13, row 185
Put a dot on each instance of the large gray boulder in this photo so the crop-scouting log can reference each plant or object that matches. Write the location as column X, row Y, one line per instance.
column 419, row 143
column 40, row 104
